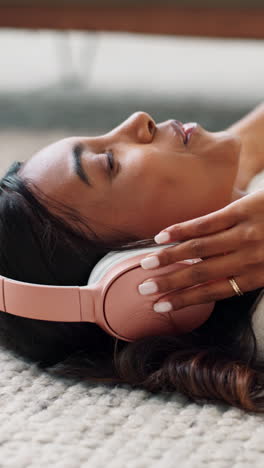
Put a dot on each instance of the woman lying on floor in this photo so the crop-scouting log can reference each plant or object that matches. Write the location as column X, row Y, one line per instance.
column 79, row 198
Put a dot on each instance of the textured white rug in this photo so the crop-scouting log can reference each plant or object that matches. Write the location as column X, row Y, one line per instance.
column 50, row 422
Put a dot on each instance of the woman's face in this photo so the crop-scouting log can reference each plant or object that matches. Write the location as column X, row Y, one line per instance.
column 157, row 180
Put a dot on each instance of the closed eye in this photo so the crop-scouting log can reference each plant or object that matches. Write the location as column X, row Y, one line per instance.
column 110, row 158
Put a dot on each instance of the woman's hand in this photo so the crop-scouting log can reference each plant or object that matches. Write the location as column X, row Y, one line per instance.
column 231, row 244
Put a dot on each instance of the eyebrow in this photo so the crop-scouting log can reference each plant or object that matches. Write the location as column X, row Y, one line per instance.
column 77, row 152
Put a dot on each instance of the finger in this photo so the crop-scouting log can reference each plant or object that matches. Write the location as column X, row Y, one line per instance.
column 214, row 291
column 202, row 272
column 203, row 247
column 211, row 292
column 214, row 268
column 204, row 225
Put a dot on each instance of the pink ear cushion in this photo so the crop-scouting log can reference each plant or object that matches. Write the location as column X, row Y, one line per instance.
column 131, row 316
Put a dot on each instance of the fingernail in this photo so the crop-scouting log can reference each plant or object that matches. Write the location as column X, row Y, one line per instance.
column 148, row 287
column 161, row 237
column 162, row 307
column 150, row 262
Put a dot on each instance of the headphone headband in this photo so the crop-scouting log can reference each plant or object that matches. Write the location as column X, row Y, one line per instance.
column 42, row 302
column 113, row 303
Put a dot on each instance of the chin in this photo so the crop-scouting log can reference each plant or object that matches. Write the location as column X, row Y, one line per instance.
column 233, row 145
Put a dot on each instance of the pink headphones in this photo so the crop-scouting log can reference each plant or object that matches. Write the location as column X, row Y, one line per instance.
column 112, row 302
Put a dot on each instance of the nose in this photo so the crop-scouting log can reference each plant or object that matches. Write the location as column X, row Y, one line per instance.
column 139, row 127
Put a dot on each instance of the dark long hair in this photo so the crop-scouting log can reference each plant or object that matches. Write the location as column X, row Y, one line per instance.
column 51, row 246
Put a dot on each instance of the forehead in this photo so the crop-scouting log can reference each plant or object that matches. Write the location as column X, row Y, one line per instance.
column 51, row 166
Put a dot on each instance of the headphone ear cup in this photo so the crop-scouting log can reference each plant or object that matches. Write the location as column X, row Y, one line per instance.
column 108, row 261
column 130, row 314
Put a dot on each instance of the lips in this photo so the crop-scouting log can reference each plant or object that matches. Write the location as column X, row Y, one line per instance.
column 186, row 130
column 179, row 127
column 189, row 128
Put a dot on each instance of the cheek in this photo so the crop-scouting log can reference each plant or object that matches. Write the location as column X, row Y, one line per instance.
column 202, row 186
column 149, row 208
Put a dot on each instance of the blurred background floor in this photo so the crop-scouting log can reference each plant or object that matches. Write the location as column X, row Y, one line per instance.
column 55, row 84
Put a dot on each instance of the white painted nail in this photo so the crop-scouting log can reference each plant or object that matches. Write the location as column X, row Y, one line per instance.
column 162, row 307
column 148, row 287
column 150, row 262
column 161, row 237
